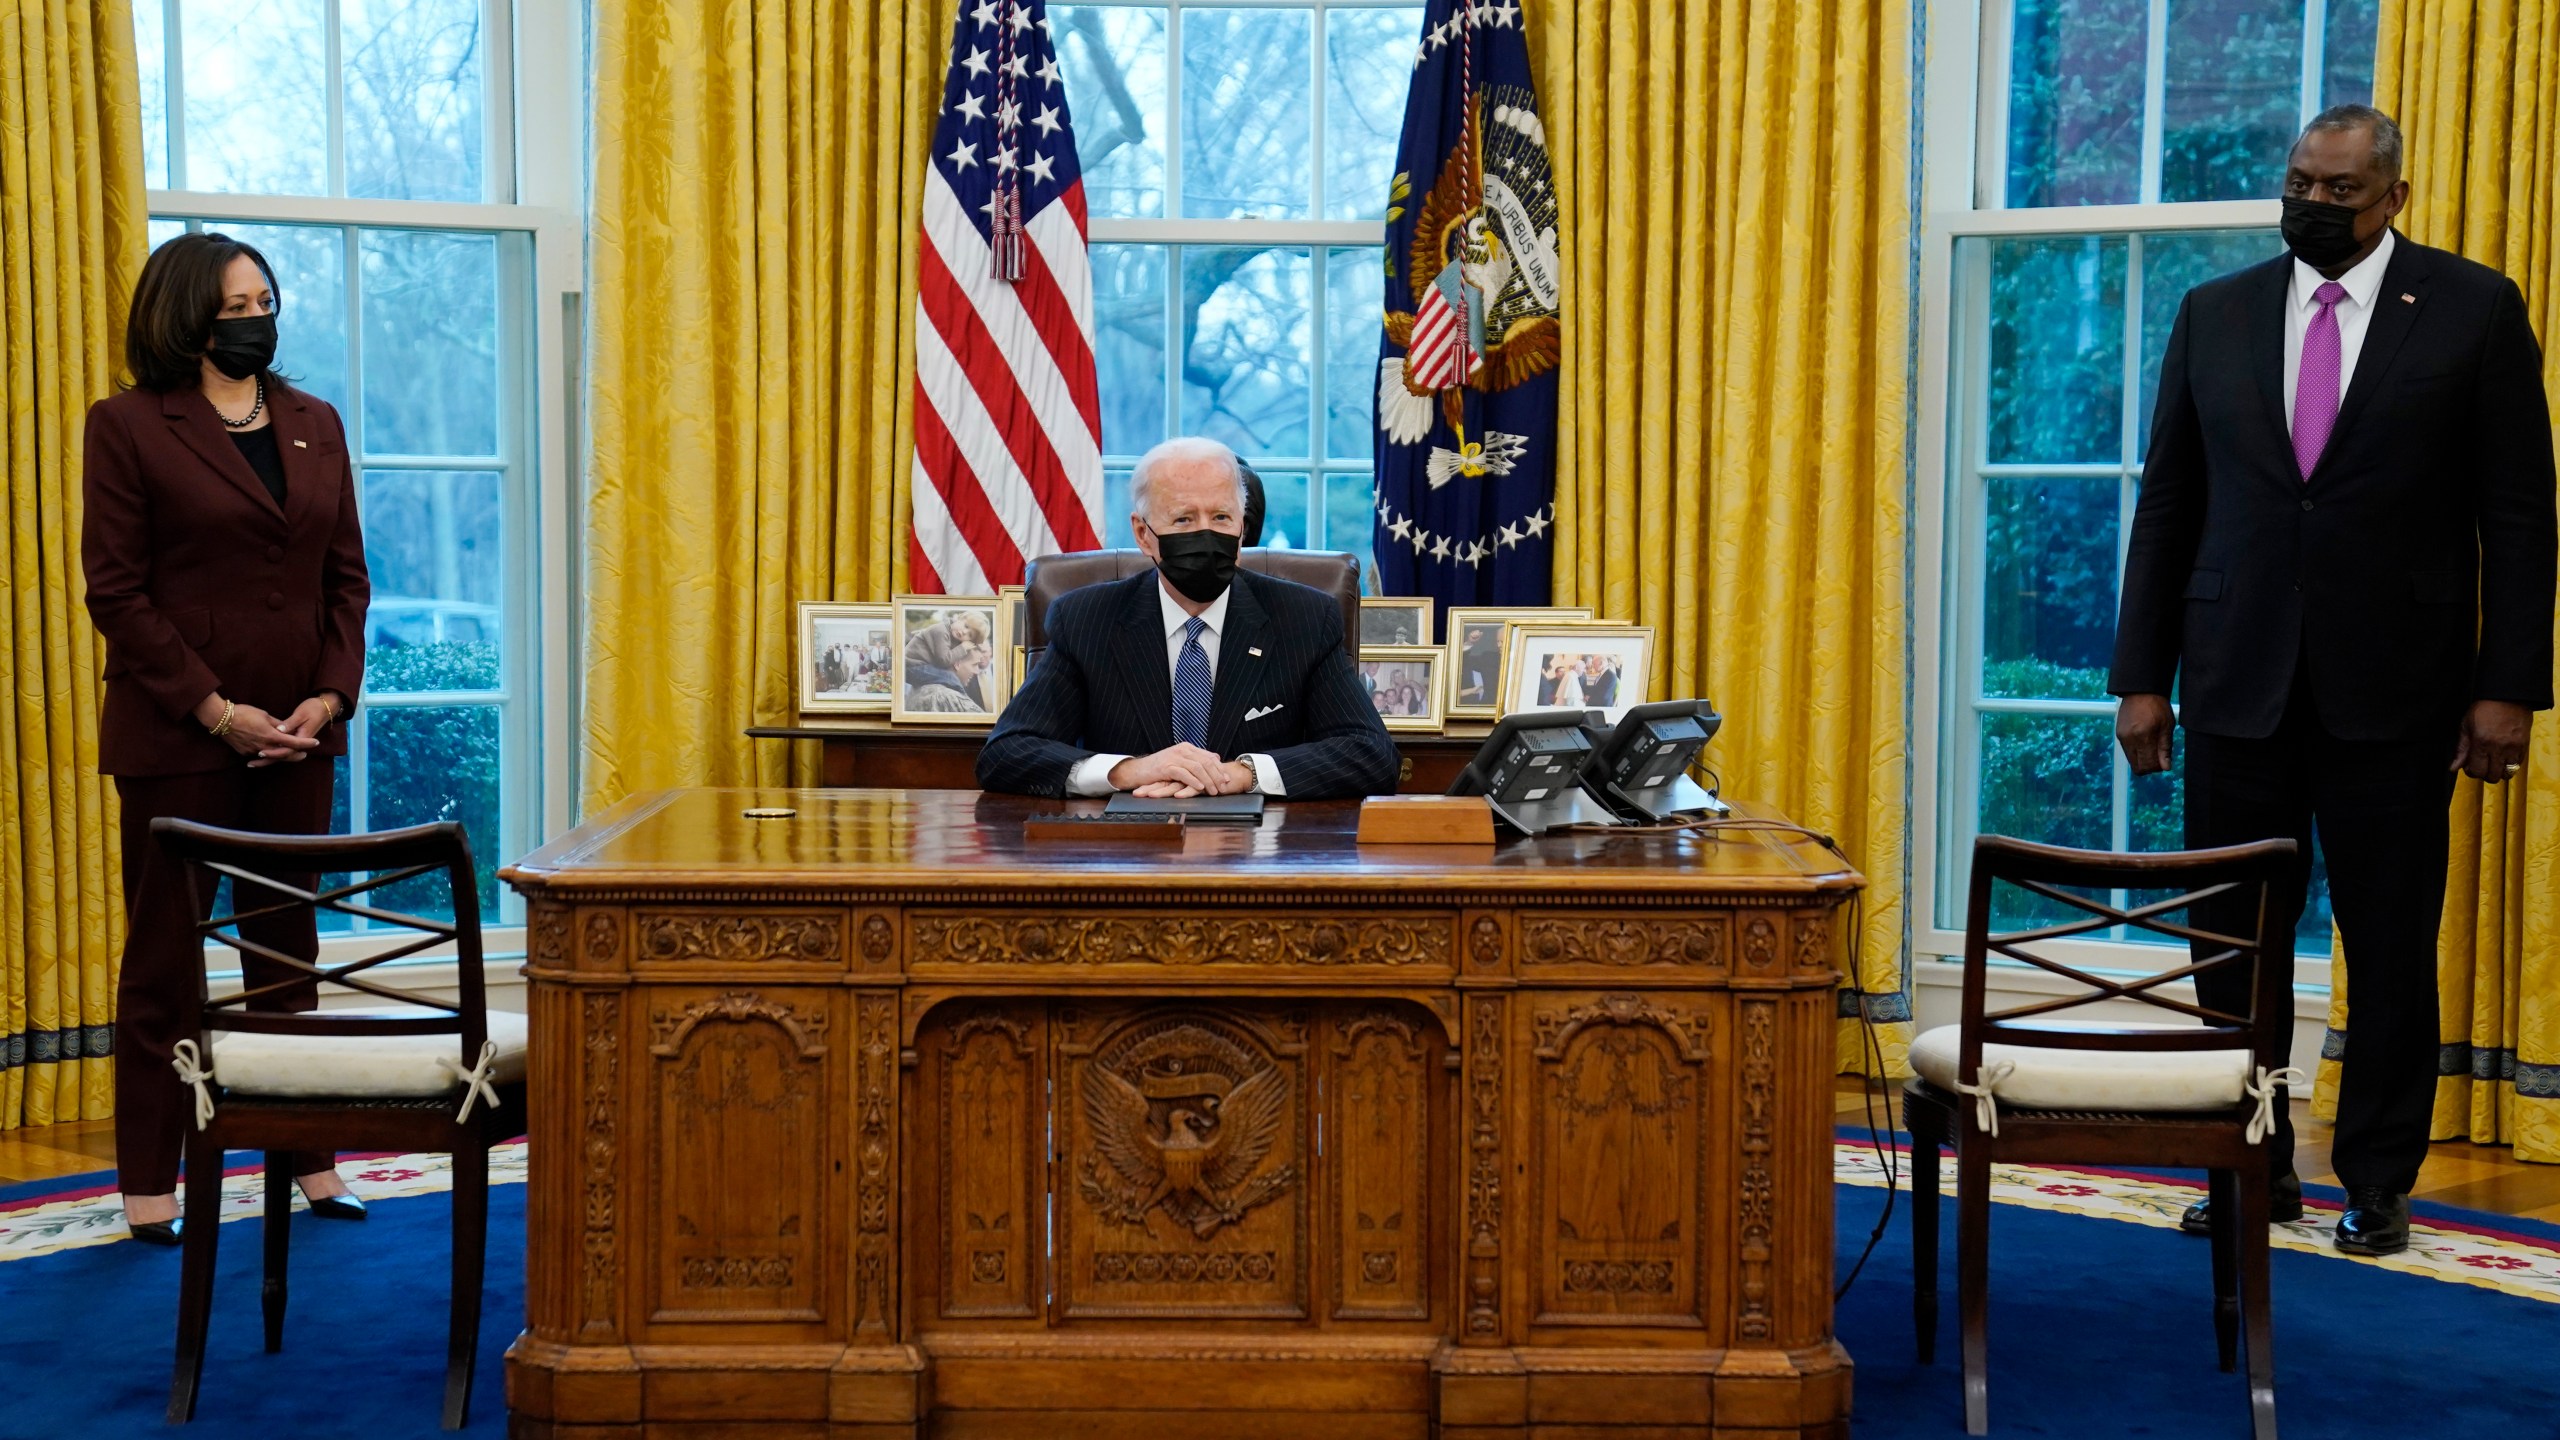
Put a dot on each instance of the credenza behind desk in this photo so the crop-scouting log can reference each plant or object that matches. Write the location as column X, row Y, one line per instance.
column 881, row 1120
column 875, row 754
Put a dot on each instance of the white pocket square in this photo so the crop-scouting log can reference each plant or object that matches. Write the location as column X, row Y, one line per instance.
column 1265, row 710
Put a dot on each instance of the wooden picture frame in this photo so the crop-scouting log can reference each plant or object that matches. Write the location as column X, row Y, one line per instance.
column 972, row 627
column 1394, row 620
column 1012, row 607
column 1385, row 667
column 856, row 680
column 1624, row 656
column 1486, row 659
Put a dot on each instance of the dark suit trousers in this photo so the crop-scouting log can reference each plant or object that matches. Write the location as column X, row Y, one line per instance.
column 164, row 961
column 2380, row 809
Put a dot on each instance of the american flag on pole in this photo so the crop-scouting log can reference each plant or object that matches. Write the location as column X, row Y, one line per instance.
column 1008, row 419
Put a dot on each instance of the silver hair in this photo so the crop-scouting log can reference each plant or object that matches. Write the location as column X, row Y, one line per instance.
column 1180, row 447
column 2387, row 147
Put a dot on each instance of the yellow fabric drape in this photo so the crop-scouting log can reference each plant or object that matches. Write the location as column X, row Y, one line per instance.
column 1734, row 178
column 2475, row 85
column 72, row 239
column 752, row 280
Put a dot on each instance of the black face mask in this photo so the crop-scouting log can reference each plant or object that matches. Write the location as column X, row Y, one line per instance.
column 2321, row 234
column 243, row 346
column 1198, row 563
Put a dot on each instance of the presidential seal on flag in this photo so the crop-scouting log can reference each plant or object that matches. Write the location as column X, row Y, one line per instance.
column 1473, row 327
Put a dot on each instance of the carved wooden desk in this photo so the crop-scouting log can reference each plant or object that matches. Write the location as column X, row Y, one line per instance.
column 879, row 1121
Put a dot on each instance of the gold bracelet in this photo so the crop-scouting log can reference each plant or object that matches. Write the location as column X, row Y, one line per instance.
column 222, row 726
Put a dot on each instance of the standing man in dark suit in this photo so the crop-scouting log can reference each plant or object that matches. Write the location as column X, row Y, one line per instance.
column 1194, row 678
column 2344, row 555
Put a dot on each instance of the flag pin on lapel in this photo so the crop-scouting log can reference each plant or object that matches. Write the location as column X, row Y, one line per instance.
column 1253, row 650
column 301, row 445
column 2408, row 299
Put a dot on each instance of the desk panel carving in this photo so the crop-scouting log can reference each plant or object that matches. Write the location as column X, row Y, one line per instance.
column 882, row 1122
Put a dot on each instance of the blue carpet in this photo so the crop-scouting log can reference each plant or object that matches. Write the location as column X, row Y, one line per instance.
column 2100, row 1329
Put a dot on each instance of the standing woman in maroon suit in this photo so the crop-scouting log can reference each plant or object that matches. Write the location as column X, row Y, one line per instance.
column 226, row 570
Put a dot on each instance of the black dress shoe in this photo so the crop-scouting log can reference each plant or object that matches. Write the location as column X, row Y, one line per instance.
column 337, row 1207
column 157, row 1232
column 2284, row 1206
column 2376, row 1222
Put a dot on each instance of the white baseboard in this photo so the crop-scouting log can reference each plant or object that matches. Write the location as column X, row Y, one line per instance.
column 1937, row 997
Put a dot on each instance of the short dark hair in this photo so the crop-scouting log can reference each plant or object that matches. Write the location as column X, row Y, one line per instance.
column 1252, row 504
column 174, row 305
column 2387, row 147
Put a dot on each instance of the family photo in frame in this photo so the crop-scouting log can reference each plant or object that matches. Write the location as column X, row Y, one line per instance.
column 844, row 658
column 1476, row 637
column 1404, row 685
column 953, row 659
column 1578, row 667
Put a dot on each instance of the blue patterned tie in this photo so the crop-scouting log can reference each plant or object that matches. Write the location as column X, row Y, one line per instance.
column 1191, row 687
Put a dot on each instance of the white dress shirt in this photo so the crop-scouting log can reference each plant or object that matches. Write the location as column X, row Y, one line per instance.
column 1092, row 774
column 2354, row 313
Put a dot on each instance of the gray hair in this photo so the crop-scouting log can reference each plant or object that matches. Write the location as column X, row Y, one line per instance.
column 1180, row 447
column 2387, row 148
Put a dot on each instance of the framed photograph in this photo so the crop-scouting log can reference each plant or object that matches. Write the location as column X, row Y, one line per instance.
column 843, row 655
column 1394, row 620
column 1406, row 684
column 950, row 659
column 1012, row 603
column 1475, row 643
column 1577, row 666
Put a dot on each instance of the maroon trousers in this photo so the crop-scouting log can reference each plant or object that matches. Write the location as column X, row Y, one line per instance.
column 157, row 995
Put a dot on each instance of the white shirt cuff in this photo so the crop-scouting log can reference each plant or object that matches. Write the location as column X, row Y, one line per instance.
column 1092, row 775
column 1266, row 775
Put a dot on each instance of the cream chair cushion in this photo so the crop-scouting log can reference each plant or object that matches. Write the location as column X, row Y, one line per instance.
column 2094, row 1079
column 360, row 1065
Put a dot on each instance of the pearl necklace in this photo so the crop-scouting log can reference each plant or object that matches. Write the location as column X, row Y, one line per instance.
column 245, row 421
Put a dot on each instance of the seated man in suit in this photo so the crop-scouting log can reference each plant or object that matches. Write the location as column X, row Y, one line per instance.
column 1194, row 678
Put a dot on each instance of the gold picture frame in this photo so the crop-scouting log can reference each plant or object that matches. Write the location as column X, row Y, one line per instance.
column 1386, row 669
column 971, row 650
column 1012, row 604
column 836, row 666
column 1545, row 667
column 1394, row 620
column 1479, row 667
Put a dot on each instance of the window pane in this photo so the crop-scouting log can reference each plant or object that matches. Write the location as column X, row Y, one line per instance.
column 2046, row 778
column 1247, row 132
column 2232, row 98
column 1355, row 291
column 1349, row 516
column 432, row 543
column 151, row 62
column 414, row 121
column 161, row 231
column 2057, row 350
column 2352, row 32
column 430, row 343
column 1246, row 343
column 2171, row 266
column 1115, row 63
column 1128, row 329
column 257, row 96
column 2075, row 101
column 430, row 763
column 2048, row 587
column 1368, row 56
column 311, row 282
column 1115, row 511
column 1284, row 509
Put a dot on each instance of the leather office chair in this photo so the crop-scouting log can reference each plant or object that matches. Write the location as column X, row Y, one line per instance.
column 1336, row 572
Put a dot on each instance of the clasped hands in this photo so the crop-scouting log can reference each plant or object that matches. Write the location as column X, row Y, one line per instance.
column 1179, row 772
column 2490, row 749
column 263, row 738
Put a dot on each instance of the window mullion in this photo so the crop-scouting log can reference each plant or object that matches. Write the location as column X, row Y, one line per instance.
column 336, row 83
column 2155, row 91
column 173, row 66
column 2315, row 27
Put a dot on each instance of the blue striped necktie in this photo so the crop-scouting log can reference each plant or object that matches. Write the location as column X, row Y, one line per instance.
column 1191, row 687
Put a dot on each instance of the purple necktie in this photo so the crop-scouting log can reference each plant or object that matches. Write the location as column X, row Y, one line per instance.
column 2315, row 389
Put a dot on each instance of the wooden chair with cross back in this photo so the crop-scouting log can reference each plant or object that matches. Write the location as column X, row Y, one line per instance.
column 421, row 1074
column 2192, row 1088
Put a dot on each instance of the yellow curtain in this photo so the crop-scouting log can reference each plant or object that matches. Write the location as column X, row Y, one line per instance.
column 1735, row 185
column 2475, row 85
column 752, row 282
column 72, row 238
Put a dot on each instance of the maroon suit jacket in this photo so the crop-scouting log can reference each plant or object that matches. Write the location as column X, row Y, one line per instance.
column 201, row 583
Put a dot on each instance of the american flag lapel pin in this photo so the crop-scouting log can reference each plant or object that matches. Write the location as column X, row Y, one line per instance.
column 1253, row 650
column 2408, row 299
column 301, row 444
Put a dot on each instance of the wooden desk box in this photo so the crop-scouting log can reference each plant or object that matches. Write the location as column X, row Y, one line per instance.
column 877, row 1122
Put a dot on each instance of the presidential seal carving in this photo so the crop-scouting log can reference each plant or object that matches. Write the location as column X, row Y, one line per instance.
column 1182, row 1115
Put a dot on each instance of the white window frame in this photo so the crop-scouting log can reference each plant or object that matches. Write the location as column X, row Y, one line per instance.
column 1314, row 236
column 535, row 149
column 1964, row 166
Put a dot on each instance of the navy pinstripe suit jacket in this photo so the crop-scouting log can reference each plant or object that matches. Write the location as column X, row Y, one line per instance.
column 1103, row 687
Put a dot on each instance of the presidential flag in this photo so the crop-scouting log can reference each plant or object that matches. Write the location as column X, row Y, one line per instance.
column 1008, row 461
column 1467, row 367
